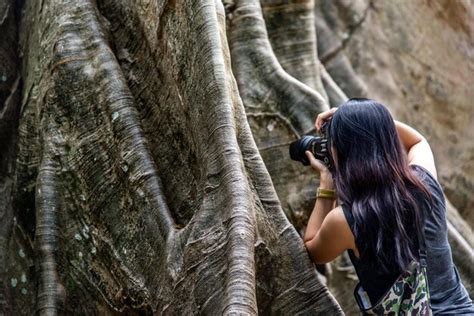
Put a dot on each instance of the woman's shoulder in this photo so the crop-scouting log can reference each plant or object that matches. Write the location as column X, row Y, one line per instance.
column 428, row 179
column 423, row 173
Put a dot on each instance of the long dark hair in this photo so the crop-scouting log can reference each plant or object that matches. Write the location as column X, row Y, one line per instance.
column 374, row 180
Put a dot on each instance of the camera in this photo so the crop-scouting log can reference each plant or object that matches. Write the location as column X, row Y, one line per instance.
column 319, row 146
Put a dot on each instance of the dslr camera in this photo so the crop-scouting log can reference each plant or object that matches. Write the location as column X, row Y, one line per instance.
column 318, row 145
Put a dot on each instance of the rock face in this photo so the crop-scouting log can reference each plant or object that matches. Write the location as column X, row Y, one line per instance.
column 417, row 57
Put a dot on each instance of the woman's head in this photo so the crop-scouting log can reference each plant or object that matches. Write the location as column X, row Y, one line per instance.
column 363, row 134
column 373, row 178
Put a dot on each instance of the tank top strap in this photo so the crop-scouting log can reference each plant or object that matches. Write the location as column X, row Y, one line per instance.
column 350, row 220
column 349, row 217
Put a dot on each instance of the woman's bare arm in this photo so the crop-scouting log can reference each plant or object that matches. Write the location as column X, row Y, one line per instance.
column 417, row 147
column 327, row 234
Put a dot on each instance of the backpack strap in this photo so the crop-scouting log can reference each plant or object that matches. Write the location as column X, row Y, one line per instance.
column 422, row 251
column 422, row 244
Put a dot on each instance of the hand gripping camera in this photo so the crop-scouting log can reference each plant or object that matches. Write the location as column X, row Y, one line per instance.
column 319, row 146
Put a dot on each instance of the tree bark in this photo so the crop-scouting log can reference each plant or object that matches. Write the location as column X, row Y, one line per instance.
column 144, row 165
column 147, row 189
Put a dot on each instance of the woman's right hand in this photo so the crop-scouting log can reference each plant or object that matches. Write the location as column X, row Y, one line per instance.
column 323, row 117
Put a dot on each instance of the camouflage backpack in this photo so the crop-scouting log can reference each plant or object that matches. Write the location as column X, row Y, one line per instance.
column 409, row 295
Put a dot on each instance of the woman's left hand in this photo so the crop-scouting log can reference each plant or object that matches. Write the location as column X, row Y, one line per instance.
column 326, row 181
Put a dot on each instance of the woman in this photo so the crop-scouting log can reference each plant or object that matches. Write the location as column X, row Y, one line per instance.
column 385, row 179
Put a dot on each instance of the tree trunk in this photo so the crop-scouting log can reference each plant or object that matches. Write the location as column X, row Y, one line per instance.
column 139, row 187
column 144, row 164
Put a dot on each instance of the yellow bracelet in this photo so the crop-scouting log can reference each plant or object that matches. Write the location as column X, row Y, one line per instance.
column 326, row 194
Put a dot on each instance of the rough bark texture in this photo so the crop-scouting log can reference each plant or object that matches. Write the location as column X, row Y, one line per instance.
column 144, row 146
column 279, row 108
column 10, row 87
column 138, row 179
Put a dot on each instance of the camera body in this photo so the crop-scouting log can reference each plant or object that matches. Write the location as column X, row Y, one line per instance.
column 318, row 145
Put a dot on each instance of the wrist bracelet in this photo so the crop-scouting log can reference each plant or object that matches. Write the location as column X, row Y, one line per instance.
column 326, row 194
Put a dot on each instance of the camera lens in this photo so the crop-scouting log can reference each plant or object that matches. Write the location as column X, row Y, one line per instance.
column 298, row 148
column 318, row 146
